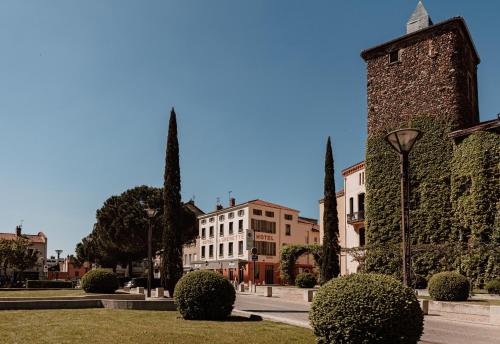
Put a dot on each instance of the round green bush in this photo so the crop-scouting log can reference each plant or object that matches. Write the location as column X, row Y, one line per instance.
column 99, row 281
column 493, row 286
column 449, row 286
column 305, row 280
column 366, row 308
column 204, row 295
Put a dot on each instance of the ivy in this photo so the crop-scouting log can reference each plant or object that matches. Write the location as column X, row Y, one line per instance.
column 475, row 195
column 290, row 254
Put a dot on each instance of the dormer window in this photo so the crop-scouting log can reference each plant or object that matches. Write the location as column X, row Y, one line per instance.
column 394, row 56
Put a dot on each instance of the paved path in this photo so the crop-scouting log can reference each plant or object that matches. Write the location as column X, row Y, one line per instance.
column 437, row 330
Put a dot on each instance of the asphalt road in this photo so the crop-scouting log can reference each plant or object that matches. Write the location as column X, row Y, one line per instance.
column 437, row 330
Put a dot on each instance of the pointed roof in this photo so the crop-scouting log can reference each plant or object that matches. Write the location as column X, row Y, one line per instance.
column 419, row 19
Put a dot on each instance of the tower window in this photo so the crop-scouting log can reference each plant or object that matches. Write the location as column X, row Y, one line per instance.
column 394, row 56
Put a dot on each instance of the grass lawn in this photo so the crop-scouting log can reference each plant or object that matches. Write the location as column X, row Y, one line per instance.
column 41, row 293
column 477, row 302
column 111, row 326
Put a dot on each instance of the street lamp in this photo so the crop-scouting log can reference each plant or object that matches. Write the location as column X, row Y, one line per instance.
column 151, row 214
column 58, row 266
column 402, row 141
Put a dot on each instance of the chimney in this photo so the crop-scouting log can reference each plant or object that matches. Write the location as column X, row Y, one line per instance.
column 18, row 230
column 232, row 202
column 219, row 207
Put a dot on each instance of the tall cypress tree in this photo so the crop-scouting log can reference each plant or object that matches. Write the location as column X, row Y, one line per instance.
column 171, row 268
column 330, row 266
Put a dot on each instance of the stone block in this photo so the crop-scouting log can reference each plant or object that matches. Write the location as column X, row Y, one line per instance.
column 309, row 295
column 424, row 304
column 138, row 290
column 268, row 291
column 241, row 288
column 159, row 292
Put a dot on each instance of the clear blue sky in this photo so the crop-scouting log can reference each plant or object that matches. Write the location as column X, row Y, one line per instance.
column 86, row 88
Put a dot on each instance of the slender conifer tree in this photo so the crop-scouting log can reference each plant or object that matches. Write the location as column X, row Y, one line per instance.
column 330, row 265
column 171, row 268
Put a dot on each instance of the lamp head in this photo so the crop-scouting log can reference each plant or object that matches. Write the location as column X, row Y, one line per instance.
column 402, row 140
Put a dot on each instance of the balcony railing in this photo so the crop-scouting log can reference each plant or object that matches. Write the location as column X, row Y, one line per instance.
column 358, row 216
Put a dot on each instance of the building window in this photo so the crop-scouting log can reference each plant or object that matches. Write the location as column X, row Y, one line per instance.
column 185, row 259
column 221, row 250
column 288, row 229
column 362, row 237
column 270, row 213
column 257, row 212
column 211, row 251
column 264, row 226
column 221, row 229
column 189, row 259
column 351, row 205
column 203, row 233
column 211, row 219
column 241, row 212
column 230, row 215
column 231, row 228
column 240, row 247
column 221, row 218
column 288, row 217
column 315, row 239
column 230, row 250
column 240, row 226
column 203, row 221
column 266, row 248
column 394, row 56
column 203, row 252
column 211, row 231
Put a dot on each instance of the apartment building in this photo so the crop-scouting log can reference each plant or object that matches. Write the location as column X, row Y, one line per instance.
column 351, row 214
column 227, row 235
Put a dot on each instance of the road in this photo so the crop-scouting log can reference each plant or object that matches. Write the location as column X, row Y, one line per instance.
column 437, row 330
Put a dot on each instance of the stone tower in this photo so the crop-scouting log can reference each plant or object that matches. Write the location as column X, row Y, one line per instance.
column 431, row 70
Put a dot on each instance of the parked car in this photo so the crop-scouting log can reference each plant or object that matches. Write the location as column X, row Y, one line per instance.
column 142, row 282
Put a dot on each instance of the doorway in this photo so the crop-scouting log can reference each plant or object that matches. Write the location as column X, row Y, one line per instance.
column 269, row 274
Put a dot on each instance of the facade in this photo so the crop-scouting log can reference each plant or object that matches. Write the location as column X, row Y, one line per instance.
column 39, row 243
column 227, row 236
column 350, row 212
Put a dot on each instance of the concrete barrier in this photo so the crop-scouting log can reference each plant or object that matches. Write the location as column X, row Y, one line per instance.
column 149, row 305
column 424, row 305
column 268, row 291
column 159, row 292
column 138, row 290
column 308, row 295
column 241, row 288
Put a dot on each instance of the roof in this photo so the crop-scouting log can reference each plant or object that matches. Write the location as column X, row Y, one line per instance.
column 338, row 194
column 384, row 48
column 255, row 202
column 191, row 206
column 354, row 168
column 38, row 238
column 486, row 125
column 308, row 220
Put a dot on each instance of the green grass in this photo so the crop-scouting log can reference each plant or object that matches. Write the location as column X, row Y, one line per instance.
column 41, row 293
column 110, row 326
column 478, row 302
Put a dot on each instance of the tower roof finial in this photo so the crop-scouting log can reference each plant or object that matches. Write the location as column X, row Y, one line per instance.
column 419, row 19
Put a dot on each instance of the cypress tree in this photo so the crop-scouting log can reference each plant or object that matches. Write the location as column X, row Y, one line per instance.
column 330, row 265
column 171, row 268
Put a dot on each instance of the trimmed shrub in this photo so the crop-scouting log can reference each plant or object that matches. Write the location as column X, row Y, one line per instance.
column 366, row 308
column 204, row 295
column 449, row 286
column 305, row 280
column 99, row 281
column 493, row 287
column 48, row 284
column 419, row 282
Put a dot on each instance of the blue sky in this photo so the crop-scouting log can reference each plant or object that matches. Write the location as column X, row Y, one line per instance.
column 86, row 88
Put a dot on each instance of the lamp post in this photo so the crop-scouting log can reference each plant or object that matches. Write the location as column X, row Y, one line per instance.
column 402, row 141
column 151, row 214
column 58, row 266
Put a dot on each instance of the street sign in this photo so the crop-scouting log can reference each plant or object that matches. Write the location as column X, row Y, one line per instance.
column 255, row 257
column 254, row 251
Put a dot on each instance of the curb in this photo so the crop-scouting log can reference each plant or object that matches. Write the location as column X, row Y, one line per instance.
column 274, row 318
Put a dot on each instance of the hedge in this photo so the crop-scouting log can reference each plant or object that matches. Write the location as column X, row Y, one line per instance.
column 306, row 280
column 493, row 287
column 204, row 295
column 366, row 308
column 99, row 281
column 48, row 284
column 449, row 286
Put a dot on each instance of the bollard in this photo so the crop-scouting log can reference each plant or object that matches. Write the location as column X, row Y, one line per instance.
column 424, row 304
column 138, row 290
column 268, row 291
column 159, row 292
column 242, row 288
column 308, row 295
column 250, row 287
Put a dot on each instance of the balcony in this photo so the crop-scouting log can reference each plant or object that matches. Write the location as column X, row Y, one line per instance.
column 356, row 217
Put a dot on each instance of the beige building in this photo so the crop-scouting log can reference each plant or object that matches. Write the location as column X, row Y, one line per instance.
column 227, row 236
column 38, row 242
column 351, row 215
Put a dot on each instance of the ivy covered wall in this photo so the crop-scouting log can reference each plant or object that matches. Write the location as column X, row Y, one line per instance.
column 430, row 205
column 475, row 195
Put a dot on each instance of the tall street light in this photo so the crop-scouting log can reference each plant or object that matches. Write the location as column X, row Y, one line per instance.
column 151, row 214
column 402, row 141
column 58, row 266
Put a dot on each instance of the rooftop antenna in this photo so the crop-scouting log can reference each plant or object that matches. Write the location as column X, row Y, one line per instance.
column 229, row 192
column 218, row 200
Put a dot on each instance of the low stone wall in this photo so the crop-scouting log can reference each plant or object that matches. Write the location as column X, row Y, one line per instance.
column 288, row 293
column 151, row 305
column 487, row 314
column 49, row 304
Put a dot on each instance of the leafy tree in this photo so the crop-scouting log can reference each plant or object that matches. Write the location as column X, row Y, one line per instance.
column 17, row 255
column 330, row 266
column 171, row 267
